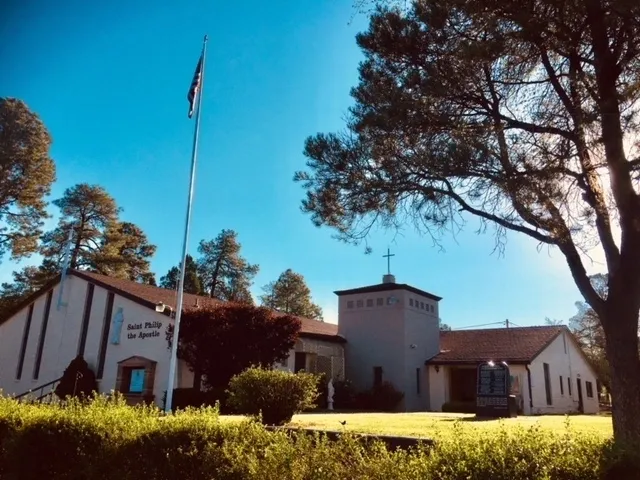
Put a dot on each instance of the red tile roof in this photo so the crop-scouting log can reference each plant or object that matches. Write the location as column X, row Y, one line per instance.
column 511, row 345
column 149, row 296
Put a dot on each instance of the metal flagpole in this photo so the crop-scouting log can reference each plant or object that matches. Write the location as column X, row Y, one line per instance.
column 65, row 266
column 178, row 311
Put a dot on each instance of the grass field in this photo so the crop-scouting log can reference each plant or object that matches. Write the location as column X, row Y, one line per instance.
column 437, row 425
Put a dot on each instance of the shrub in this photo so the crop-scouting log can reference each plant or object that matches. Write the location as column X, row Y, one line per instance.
column 190, row 397
column 344, row 396
column 276, row 394
column 78, row 380
column 107, row 440
column 459, row 407
column 381, row 398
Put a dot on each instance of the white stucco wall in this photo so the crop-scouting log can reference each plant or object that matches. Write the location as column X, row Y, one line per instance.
column 438, row 387
column 568, row 363
column 397, row 337
column 375, row 335
column 153, row 348
column 63, row 334
column 421, row 341
column 61, row 339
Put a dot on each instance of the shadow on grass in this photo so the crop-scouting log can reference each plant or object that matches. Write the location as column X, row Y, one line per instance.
column 473, row 419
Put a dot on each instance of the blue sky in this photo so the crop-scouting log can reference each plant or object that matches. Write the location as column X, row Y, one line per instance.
column 110, row 80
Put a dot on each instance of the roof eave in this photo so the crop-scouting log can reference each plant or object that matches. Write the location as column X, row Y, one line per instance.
column 323, row 336
column 472, row 362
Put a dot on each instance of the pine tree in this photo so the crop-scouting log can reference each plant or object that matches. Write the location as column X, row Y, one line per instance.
column 192, row 281
column 26, row 174
column 87, row 210
column 125, row 252
column 226, row 275
column 290, row 294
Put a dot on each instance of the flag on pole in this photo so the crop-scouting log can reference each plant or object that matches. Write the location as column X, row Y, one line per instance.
column 195, row 87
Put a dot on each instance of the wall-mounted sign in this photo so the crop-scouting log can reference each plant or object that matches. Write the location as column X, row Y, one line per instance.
column 144, row 330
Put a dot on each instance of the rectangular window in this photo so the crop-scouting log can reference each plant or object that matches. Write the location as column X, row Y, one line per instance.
column 359, row 303
column 86, row 316
column 377, row 376
column 350, row 304
column 300, row 362
column 564, row 342
column 569, row 385
column 43, row 334
column 25, row 341
column 411, row 302
column 379, row 301
column 418, row 381
column 547, row 383
column 104, row 339
column 589, row 387
column 370, row 302
column 136, row 383
column 432, row 309
column 422, row 305
column 561, row 386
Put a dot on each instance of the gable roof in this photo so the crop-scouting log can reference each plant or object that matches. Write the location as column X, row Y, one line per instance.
column 148, row 296
column 518, row 345
column 387, row 287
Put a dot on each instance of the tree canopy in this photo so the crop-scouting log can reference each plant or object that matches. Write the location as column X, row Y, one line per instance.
column 522, row 114
column 223, row 341
column 290, row 294
column 100, row 243
column 26, row 174
column 225, row 274
column 192, row 281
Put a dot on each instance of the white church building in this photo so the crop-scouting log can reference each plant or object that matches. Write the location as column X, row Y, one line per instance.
column 388, row 332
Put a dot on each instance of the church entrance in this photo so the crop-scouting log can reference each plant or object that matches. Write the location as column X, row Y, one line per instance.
column 462, row 388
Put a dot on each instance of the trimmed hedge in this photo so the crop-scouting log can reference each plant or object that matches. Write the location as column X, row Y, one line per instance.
column 274, row 394
column 109, row 441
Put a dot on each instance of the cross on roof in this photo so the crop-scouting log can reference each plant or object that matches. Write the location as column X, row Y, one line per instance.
column 388, row 257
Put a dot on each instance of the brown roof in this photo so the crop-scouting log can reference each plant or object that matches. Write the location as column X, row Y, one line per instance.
column 149, row 296
column 387, row 287
column 511, row 345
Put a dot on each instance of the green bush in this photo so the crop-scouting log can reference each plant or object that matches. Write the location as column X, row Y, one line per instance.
column 78, row 380
column 459, row 407
column 275, row 394
column 190, row 397
column 381, row 398
column 107, row 440
column 344, row 395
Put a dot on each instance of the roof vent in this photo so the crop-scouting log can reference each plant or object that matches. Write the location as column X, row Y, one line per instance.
column 388, row 278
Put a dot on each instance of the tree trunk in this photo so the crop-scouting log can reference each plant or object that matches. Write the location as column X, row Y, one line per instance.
column 621, row 331
column 214, row 281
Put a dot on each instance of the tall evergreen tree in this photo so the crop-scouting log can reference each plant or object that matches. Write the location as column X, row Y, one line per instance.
column 26, row 174
column 192, row 282
column 518, row 113
column 87, row 210
column 290, row 294
column 226, row 275
column 125, row 252
column 99, row 243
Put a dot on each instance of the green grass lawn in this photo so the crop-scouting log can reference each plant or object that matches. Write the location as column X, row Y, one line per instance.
column 437, row 425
